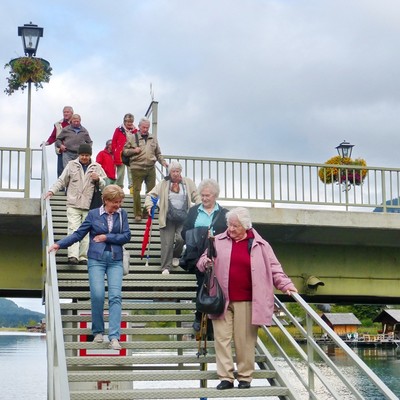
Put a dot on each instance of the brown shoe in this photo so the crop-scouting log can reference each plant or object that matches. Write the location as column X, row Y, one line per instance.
column 138, row 218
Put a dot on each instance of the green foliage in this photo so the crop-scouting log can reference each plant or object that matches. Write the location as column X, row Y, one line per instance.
column 24, row 70
column 362, row 312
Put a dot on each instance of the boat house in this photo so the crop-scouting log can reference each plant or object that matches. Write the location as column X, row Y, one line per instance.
column 343, row 324
column 390, row 320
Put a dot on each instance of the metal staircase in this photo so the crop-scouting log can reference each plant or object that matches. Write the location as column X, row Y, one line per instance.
column 159, row 358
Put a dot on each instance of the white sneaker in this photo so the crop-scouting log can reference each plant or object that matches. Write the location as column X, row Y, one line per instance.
column 175, row 262
column 114, row 344
column 165, row 272
column 98, row 338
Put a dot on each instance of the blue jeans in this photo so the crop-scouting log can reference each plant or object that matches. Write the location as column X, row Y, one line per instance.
column 97, row 270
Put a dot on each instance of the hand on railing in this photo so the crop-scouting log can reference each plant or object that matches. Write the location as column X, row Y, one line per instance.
column 291, row 290
column 54, row 247
column 48, row 195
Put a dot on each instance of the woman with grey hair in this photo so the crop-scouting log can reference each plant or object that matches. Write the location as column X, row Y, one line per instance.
column 247, row 271
column 207, row 218
column 175, row 196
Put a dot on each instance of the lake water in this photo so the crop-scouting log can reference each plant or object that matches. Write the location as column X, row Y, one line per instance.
column 23, row 366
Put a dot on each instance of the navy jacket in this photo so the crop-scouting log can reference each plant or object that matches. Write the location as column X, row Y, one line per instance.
column 96, row 224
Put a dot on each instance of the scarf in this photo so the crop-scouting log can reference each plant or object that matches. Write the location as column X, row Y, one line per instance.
column 175, row 185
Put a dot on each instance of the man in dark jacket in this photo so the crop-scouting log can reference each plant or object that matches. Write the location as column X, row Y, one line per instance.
column 70, row 138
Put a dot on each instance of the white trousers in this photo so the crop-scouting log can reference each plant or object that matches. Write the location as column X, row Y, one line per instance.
column 75, row 218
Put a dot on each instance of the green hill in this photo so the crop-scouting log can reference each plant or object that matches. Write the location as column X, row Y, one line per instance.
column 12, row 316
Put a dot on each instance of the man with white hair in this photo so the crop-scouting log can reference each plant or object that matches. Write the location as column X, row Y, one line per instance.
column 175, row 196
column 58, row 127
column 144, row 152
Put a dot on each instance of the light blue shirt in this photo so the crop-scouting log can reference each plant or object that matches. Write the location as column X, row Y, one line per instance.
column 203, row 218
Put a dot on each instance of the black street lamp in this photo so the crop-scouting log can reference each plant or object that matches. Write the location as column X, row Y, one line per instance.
column 31, row 34
column 344, row 149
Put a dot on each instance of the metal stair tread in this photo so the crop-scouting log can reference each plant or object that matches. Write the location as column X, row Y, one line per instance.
column 147, row 305
column 161, row 283
column 134, row 295
column 184, row 393
column 142, row 345
column 159, row 359
column 134, row 318
column 134, row 331
column 64, row 276
column 82, row 376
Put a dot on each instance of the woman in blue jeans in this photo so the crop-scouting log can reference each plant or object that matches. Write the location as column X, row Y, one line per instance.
column 108, row 230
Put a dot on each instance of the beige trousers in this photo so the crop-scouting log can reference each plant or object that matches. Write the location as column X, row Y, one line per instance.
column 75, row 218
column 235, row 326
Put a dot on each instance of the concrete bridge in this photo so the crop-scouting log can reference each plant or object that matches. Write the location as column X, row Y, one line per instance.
column 326, row 236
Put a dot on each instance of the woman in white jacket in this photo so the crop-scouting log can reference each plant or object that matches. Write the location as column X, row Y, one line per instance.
column 175, row 196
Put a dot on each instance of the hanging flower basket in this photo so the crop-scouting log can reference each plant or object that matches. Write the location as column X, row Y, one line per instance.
column 27, row 69
column 345, row 174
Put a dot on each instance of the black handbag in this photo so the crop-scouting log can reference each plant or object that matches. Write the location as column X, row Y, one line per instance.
column 126, row 160
column 97, row 200
column 206, row 303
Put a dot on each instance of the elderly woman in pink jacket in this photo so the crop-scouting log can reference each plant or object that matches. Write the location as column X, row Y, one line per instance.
column 247, row 271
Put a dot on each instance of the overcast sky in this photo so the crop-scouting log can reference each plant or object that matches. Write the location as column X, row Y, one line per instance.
column 272, row 80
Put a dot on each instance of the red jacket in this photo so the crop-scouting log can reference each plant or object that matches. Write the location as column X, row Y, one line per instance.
column 106, row 160
column 118, row 141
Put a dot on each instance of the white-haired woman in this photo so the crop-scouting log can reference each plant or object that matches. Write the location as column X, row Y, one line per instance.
column 247, row 271
column 175, row 195
column 202, row 218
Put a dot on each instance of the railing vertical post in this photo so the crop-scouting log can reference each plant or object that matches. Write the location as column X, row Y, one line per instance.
column 154, row 119
column 272, row 182
column 310, row 352
column 28, row 145
column 383, row 183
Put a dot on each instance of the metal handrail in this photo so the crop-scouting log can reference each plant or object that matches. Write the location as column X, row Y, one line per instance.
column 272, row 183
column 57, row 378
column 284, row 184
column 313, row 368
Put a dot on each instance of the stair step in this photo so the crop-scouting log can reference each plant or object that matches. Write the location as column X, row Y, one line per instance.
column 135, row 295
column 148, row 305
column 63, row 277
column 84, row 376
column 253, row 392
column 134, row 331
column 134, row 318
column 177, row 345
column 161, row 283
column 159, row 359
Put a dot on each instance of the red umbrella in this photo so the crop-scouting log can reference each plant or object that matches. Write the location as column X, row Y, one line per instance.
column 147, row 231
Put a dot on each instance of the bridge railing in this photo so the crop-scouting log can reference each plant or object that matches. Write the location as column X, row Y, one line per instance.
column 312, row 368
column 12, row 169
column 274, row 183
column 288, row 184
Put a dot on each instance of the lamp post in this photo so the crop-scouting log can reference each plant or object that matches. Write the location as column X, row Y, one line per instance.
column 344, row 149
column 30, row 34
